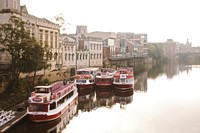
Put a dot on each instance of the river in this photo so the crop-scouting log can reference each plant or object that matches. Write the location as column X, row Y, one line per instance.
column 165, row 100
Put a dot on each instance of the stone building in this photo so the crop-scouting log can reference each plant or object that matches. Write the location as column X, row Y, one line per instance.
column 42, row 29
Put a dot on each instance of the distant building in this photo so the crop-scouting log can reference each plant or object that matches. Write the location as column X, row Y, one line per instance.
column 81, row 30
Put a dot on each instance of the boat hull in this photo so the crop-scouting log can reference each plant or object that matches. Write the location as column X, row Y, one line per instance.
column 85, row 86
column 104, row 85
column 36, row 117
column 123, row 86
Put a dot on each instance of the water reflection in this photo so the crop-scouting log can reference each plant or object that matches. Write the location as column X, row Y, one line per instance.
column 55, row 126
column 154, row 101
column 105, row 97
column 123, row 97
column 87, row 100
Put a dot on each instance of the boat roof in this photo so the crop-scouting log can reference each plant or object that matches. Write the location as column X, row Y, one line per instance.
column 88, row 69
column 43, row 86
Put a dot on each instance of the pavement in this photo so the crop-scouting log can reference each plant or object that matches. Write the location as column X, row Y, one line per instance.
column 20, row 113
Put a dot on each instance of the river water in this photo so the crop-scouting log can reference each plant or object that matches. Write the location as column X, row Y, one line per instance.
column 164, row 100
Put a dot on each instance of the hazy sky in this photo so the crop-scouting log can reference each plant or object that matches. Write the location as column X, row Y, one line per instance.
column 160, row 19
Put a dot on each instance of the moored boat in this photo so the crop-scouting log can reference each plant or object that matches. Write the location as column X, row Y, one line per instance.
column 105, row 77
column 124, row 79
column 85, row 78
column 49, row 102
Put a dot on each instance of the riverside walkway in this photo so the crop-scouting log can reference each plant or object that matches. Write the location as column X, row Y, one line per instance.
column 19, row 114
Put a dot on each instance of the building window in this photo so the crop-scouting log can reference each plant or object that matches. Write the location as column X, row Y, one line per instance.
column 51, row 39
column 55, row 56
column 40, row 36
column 65, row 56
column 100, row 56
column 80, row 56
column 69, row 57
column 83, row 56
column 6, row 3
column 15, row 5
column 97, row 56
column 94, row 56
column 72, row 57
column 56, row 40
column 77, row 57
column 46, row 36
column 91, row 56
column 94, row 46
column 86, row 57
column 91, row 46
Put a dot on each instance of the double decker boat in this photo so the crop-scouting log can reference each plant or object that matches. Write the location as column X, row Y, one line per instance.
column 49, row 102
column 105, row 77
column 85, row 78
column 124, row 79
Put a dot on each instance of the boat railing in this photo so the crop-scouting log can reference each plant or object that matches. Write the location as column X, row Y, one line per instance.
column 6, row 116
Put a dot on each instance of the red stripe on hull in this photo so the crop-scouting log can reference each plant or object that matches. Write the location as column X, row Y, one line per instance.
column 85, row 86
column 104, row 85
column 43, row 118
column 123, row 86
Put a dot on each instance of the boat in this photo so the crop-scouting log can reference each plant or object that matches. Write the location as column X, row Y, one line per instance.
column 124, row 79
column 105, row 77
column 85, row 78
column 49, row 102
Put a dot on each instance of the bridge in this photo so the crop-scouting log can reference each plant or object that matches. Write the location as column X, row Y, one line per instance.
column 128, row 60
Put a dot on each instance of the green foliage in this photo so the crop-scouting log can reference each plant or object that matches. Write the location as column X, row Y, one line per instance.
column 156, row 52
column 26, row 53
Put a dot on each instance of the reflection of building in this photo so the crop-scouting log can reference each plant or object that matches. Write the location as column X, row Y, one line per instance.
column 87, row 100
column 141, row 82
column 42, row 29
column 105, row 97
column 123, row 97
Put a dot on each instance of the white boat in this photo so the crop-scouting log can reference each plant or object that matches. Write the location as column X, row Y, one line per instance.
column 105, row 77
column 85, row 78
column 124, row 79
column 49, row 102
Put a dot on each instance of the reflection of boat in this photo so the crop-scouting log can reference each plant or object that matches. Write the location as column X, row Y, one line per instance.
column 86, row 99
column 85, row 77
column 123, row 97
column 105, row 97
column 55, row 126
column 50, row 102
column 105, row 77
column 124, row 79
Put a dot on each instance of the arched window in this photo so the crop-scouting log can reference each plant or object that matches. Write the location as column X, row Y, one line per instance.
column 91, row 56
column 100, row 56
column 65, row 56
column 69, row 57
column 80, row 56
column 77, row 56
column 91, row 46
column 86, row 56
column 72, row 57
column 50, row 55
column 97, row 56
column 55, row 55
column 94, row 46
column 94, row 56
column 83, row 56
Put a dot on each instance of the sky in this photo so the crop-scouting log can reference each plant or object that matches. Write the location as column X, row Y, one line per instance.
column 160, row 19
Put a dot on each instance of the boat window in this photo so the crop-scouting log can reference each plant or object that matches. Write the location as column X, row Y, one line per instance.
column 52, row 105
column 82, row 72
column 38, row 107
column 116, row 80
column 42, row 90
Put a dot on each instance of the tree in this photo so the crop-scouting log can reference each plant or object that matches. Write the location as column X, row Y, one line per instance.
column 27, row 55
column 155, row 51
